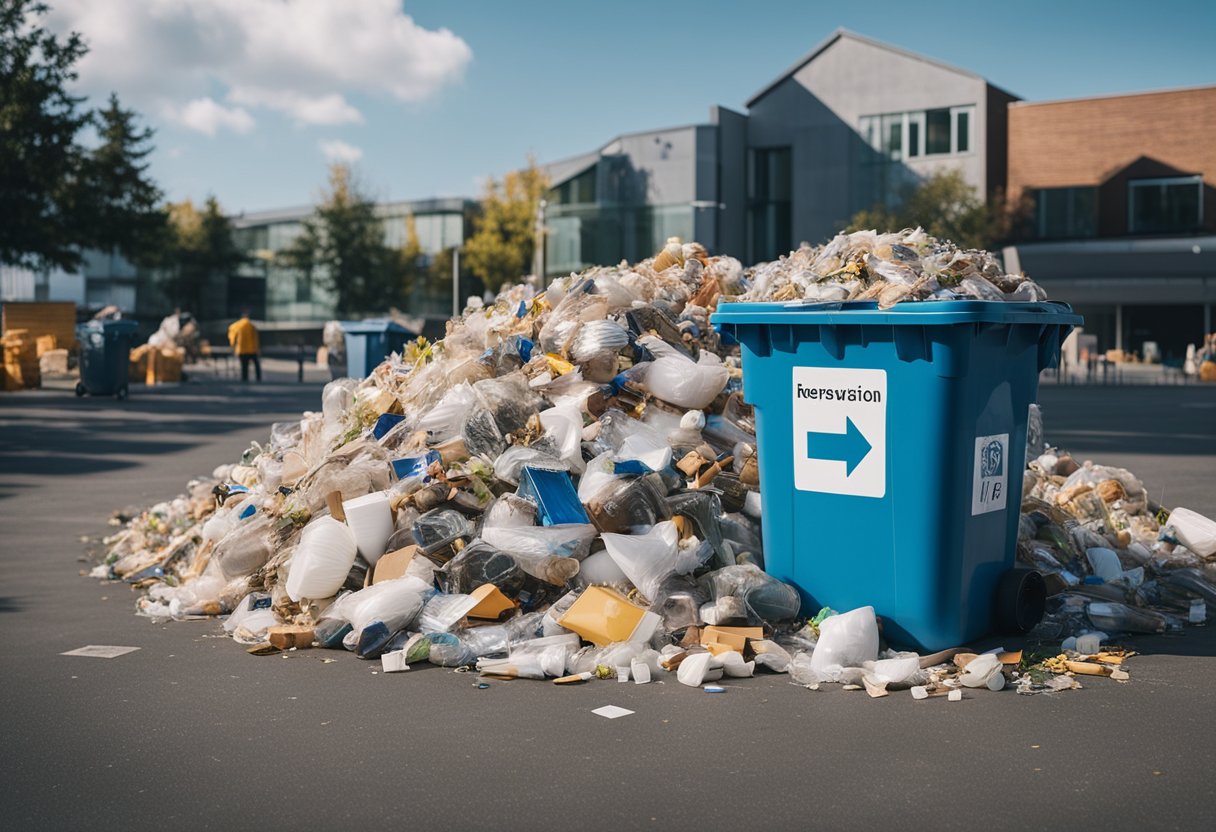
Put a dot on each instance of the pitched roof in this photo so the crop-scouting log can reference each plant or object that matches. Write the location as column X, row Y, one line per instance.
column 845, row 33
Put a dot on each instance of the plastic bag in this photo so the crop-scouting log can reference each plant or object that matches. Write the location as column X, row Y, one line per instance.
column 599, row 472
column 246, row 547
column 1194, row 531
column 322, row 559
column 564, row 425
column 760, row 598
column 480, row 563
column 445, row 420
column 675, row 378
column 595, row 349
column 395, row 603
column 510, row 462
column 846, row 640
column 646, row 559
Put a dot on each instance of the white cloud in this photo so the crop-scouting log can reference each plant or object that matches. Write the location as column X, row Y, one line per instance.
column 332, row 108
column 336, row 150
column 208, row 116
column 303, row 58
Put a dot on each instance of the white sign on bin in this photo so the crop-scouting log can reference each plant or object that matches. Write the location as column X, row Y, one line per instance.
column 840, row 431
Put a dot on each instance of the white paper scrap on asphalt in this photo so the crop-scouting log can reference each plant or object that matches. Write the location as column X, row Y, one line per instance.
column 611, row 712
column 100, row 651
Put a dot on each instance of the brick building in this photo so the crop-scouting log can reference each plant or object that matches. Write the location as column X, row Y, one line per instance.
column 1124, row 226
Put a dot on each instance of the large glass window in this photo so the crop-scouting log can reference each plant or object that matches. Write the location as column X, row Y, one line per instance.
column 578, row 190
column 937, row 132
column 1173, row 203
column 769, row 189
column 1065, row 212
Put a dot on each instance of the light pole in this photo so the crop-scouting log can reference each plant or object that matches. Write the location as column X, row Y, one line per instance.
column 455, row 281
column 538, row 253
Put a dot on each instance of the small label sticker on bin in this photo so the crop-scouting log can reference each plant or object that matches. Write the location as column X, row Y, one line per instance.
column 840, row 431
column 991, row 480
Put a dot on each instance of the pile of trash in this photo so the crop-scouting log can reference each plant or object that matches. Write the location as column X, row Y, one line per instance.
column 566, row 487
column 888, row 268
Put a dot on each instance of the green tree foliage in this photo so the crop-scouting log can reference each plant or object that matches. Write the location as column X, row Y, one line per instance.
column 949, row 208
column 56, row 197
column 343, row 245
column 40, row 159
column 200, row 256
column 503, row 241
column 120, row 201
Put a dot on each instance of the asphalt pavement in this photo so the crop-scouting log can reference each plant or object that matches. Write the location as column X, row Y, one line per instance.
column 190, row 732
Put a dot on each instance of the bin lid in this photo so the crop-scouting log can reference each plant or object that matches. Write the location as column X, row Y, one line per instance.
column 122, row 325
column 372, row 326
column 910, row 313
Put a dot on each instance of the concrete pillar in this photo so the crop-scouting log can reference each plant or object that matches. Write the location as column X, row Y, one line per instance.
column 1118, row 326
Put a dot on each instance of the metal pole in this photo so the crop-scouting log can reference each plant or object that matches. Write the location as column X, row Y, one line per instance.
column 455, row 282
column 300, row 364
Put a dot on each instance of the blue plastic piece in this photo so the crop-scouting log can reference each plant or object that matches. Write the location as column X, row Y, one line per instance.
column 247, row 512
column 1093, row 580
column 556, row 500
column 370, row 342
column 631, row 466
column 414, row 466
column 385, row 423
column 890, row 449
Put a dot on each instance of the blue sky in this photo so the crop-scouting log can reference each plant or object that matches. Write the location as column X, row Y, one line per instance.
column 251, row 97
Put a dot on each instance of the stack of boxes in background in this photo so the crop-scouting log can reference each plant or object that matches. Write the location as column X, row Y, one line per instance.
column 21, row 370
column 150, row 365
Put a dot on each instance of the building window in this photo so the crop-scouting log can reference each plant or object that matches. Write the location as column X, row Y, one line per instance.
column 577, row 190
column 1065, row 212
column 938, row 132
column 1173, row 203
column 769, row 190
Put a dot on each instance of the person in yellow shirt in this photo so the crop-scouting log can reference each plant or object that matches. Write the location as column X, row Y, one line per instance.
column 243, row 336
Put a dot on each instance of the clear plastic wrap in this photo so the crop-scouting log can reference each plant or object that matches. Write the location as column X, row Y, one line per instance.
column 760, row 598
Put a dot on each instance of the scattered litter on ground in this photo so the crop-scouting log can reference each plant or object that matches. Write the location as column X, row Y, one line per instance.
column 100, row 651
column 612, row 712
column 566, row 488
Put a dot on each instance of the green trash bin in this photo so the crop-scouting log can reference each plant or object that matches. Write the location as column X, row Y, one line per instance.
column 105, row 351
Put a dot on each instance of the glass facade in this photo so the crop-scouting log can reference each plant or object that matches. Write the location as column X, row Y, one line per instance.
column 277, row 292
column 580, row 236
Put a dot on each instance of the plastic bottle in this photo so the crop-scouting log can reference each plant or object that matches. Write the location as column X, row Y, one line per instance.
column 1120, row 618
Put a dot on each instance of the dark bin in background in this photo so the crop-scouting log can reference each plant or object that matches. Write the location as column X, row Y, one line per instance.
column 370, row 342
column 105, row 351
column 892, row 446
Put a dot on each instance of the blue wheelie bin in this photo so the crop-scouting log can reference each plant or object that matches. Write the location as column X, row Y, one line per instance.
column 105, row 350
column 892, row 446
column 370, row 342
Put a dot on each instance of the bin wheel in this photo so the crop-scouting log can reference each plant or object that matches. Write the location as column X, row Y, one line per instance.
column 80, row 391
column 1021, row 599
column 121, row 393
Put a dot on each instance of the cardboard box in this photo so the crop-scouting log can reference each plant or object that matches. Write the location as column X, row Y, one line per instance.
column 604, row 616
column 391, row 565
column 491, row 602
column 53, row 362
column 733, row 637
column 57, row 318
column 287, row 636
column 46, row 343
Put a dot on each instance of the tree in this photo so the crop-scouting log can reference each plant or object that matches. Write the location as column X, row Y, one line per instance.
column 503, row 241
column 40, row 160
column 201, row 252
column 343, row 244
column 120, row 200
column 946, row 207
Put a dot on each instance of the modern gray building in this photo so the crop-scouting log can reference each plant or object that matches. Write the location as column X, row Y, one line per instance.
column 848, row 126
